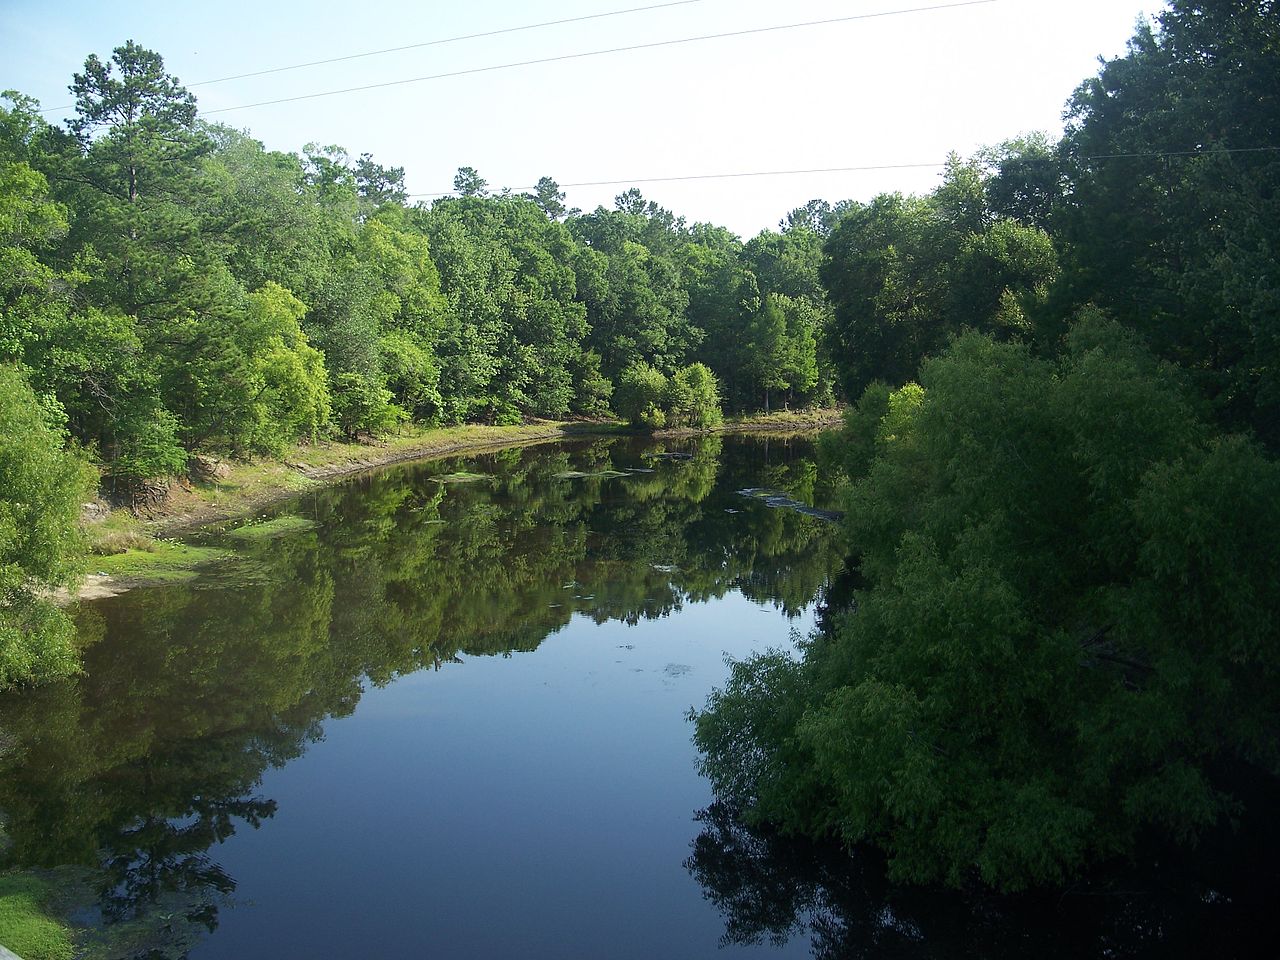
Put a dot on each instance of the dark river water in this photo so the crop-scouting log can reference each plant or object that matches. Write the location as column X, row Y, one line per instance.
column 440, row 711
column 443, row 715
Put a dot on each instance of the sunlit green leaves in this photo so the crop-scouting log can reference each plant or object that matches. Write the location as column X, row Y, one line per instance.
column 41, row 488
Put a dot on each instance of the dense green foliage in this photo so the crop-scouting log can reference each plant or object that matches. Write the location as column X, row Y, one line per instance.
column 1184, row 248
column 1026, row 683
column 1067, row 634
column 906, row 273
column 693, row 397
column 690, row 397
column 41, row 488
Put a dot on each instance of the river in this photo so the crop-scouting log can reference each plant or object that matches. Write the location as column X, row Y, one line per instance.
column 439, row 710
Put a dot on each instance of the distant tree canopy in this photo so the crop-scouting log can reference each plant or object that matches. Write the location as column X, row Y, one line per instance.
column 905, row 274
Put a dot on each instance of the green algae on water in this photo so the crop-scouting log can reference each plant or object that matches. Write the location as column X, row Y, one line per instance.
column 275, row 527
column 580, row 475
column 460, row 477
column 165, row 561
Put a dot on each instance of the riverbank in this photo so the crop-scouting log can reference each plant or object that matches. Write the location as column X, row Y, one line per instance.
column 131, row 548
column 786, row 422
column 242, row 487
column 28, row 925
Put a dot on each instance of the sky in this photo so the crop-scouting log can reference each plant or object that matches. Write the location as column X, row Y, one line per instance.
column 906, row 88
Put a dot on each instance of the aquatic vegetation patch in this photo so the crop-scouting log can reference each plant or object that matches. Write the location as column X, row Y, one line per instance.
column 779, row 501
column 461, row 477
column 581, row 475
column 275, row 527
column 163, row 561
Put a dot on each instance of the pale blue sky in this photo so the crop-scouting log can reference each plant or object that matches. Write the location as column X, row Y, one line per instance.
column 900, row 89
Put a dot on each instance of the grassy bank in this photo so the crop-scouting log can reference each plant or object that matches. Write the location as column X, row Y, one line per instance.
column 27, row 926
column 243, row 486
column 250, row 484
column 787, row 421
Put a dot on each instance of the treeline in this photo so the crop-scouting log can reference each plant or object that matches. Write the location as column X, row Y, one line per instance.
column 1063, row 496
column 171, row 287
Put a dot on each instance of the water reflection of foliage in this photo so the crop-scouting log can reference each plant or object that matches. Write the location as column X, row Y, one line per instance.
column 492, row 567
column 771, row 887
column 139, row 767
column 135, row 770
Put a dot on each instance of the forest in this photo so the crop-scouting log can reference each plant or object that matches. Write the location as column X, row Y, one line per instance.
column 1062, row 496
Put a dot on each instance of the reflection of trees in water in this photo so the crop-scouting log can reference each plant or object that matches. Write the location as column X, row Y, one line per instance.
column 135, row 770
column 489, row 567
column 770, row 888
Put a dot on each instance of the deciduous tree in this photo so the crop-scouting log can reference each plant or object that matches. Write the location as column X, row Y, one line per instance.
column 41, row 488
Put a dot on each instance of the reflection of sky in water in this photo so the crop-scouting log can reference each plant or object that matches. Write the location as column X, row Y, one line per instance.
column 538, row 805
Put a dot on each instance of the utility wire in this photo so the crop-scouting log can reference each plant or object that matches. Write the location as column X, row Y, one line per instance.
column 714, row 176
column 426, row 43
column 600, row 53
column 870, row 167
column 1166, row 153
column 437, row 43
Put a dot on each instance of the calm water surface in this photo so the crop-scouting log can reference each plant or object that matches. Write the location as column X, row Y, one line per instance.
column 439, row 713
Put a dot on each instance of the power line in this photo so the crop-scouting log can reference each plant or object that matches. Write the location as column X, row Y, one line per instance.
column 605, row 52
column 467, row 36
column 426, row 43
column 866, row 168
column 716, row 176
